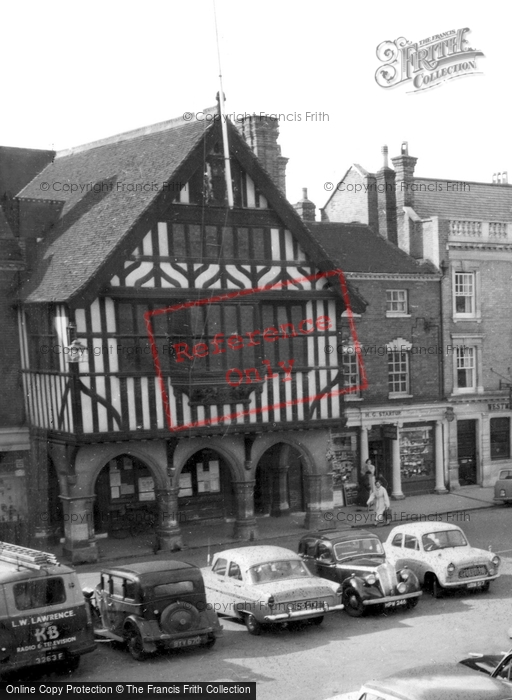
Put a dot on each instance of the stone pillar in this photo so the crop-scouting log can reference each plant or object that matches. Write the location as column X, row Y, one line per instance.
column 80, row 545
column 440, row 487
column 396, row 493
column 319, row 502
column 280, row 505
column 245, row 523
column 168, row 528
column 364, row 447
column 453, row 457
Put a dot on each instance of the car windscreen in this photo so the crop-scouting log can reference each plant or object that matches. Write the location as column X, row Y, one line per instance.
column 275, row 570
column 40, row 593
column 444, row 539
column 369, row 546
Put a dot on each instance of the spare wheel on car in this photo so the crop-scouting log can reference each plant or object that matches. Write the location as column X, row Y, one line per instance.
column 179, row 617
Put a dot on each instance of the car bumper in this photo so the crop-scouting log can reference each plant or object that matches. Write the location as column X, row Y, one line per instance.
column 502, row 499
column 460, row 584
column 392, row 598
column 302, row 614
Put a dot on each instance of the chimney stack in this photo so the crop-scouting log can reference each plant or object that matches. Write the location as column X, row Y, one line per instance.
column 261, row 134
column 305, row 208
column 404, row 180
column 386, row 199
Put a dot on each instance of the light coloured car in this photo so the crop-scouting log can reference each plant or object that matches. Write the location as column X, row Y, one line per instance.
column 439, row 682
column 266, row 584
column 441, row 557
column 503, row 487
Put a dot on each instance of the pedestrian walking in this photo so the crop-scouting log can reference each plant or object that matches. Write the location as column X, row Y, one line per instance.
column 369, row 467
column 380, row 500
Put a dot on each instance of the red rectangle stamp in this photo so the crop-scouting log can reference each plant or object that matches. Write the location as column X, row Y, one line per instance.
column 250, row 358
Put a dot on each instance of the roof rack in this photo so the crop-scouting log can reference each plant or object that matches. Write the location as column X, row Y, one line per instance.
column 23, row 556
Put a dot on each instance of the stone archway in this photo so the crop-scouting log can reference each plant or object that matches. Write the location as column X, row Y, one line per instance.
column 280, row 482
column 125, row 483
column 206, row 487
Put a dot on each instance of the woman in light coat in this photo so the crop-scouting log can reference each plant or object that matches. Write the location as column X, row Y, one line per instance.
column 379, row 497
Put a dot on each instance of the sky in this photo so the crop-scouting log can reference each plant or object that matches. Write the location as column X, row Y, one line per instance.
column 75, row 72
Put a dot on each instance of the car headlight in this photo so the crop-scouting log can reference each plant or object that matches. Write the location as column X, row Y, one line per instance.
column 371, row 579
column 271, row 601
column 503, row 493
column 450, row 569
column 405, row 574
column 402, row 587
column 496, row 560
column 339, row 591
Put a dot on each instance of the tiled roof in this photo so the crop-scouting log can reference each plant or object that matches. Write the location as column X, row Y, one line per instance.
column 356, row 248
column 92, row 224
column 479, row 200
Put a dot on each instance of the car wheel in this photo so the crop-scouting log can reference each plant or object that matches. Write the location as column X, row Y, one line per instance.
column 485, row 587
column 252, row 624
column 136, row 645
column 353, row 603
column 437, row 590
column 317, row 620
column 412, row 603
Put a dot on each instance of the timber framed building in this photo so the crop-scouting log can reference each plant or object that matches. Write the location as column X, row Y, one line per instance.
column 132, row 233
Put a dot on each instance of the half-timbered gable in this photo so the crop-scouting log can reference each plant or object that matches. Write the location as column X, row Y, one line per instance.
column 155, row 311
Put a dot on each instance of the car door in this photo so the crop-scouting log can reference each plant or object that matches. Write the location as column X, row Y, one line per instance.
column 325, row 562
column 307, row 550
column 217, row 586
column 236, row 587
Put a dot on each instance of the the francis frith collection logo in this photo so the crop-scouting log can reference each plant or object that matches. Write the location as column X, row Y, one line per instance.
column 426, row 63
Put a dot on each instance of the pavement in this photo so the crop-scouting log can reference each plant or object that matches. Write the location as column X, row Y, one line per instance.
column 203, row 538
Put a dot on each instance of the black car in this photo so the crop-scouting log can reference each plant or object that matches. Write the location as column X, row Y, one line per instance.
column 153, row 605
column 494, row 665
column 356, row 559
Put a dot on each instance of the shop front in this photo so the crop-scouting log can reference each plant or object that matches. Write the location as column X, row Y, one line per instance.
column 406, row 445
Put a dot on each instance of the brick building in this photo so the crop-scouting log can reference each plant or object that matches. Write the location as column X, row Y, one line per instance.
column 399, row 420
column 133, row 235
column 17, row 167
column 465, row 230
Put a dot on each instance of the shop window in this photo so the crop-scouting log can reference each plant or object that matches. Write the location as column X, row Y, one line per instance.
column 417, row 453
column 398, row 373
column 397, row 302
column 464, row 294
column 466, row 368
column 500, row 438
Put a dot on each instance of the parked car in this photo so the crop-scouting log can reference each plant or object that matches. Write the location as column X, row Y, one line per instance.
column 436, row 682
column 43, row 617
column 494, row 665
column 356, row 559
column 503, row 487
column 153, row 605
column 264, row 584
column 441, row 557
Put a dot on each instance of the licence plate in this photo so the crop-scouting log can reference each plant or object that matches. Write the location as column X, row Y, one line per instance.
column 395, row 603
column 476, row 584
column 308, row 605
column 190, row 642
